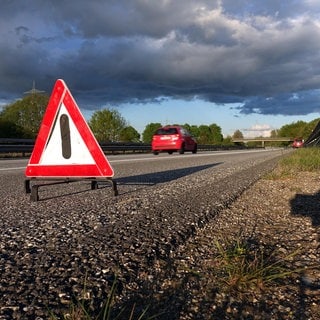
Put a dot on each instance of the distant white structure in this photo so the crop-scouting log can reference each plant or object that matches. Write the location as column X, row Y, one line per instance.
column 258, row 130
column 33, row 90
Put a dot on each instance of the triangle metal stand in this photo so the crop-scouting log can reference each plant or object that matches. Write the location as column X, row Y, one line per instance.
column 33, row 190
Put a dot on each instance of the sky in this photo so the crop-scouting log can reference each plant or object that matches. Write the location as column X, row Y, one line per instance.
column 246, row 65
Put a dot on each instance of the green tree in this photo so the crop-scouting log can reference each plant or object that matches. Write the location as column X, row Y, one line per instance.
column 227, row 141
column 129, row 134
column 10, row 130
column 237, row 135
column 107, row 125
column 216, row 134
column 204, row 134
column 149, row 131
column 310, row 127
column 187, row 127
column 274, row 133
column 193, row 130
column 292, row 130
column 26, row 114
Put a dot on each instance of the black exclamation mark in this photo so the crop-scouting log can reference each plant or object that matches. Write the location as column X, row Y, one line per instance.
column 65, row 136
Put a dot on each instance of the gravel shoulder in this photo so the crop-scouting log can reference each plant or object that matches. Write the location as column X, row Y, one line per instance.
column 282, row 215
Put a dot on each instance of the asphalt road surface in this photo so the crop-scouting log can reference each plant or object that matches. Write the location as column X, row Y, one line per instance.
column 75, row 239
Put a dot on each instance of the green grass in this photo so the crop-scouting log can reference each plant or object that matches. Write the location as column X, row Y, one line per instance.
column 80, row 309
column 300, row 160
column 243, row 265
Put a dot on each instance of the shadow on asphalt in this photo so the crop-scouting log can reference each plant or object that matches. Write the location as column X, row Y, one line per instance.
column 162, row 176
column 148, row 179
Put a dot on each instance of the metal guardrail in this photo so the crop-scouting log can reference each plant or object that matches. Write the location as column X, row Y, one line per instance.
column 263, row 140
column 16, row 146
column 279, row 139
column 25, row 147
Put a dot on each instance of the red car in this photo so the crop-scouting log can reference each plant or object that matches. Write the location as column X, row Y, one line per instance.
column 173, row 138
column 297, row 143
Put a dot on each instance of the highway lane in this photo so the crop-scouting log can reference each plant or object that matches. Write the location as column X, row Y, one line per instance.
column 120, row 162
column 7, row 165
column 138, row 171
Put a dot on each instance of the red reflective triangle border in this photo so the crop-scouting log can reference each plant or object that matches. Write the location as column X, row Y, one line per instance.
column 101, row 168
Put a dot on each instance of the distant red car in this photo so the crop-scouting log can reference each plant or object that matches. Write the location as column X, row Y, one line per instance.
column 173, row 138
column 297, row 143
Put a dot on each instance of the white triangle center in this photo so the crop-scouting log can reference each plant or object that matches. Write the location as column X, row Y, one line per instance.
column 53, row 152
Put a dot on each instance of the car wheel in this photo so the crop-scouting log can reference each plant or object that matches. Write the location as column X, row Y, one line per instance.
column 170, row 152
column 195, row 149
column 181, row 150
column 155, row 153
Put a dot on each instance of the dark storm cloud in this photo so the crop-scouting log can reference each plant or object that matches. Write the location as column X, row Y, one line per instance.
column 259, row 54
column 283, row 104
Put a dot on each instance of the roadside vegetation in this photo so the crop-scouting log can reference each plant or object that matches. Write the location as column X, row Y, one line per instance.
column 300, row 160
column 303, row 159
column 243, row 265
column 80, row 309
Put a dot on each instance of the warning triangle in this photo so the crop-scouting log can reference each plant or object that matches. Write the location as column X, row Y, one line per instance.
column 65, row 146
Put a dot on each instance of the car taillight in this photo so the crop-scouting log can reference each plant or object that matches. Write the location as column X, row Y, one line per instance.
column 175, row 137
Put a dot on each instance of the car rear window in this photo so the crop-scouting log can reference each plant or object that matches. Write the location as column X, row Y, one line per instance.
column 164, row 131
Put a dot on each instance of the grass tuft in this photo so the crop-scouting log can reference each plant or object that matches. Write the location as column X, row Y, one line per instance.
column 81, row 310
column 243, row 264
